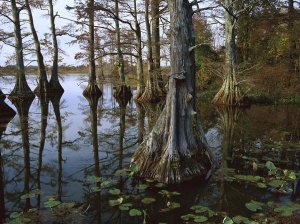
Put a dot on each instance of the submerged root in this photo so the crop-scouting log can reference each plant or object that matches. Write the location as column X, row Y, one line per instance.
column 21, row 91
column 92, row 90
column 138, row 94
column 150, row 94
column 123, row 94
column 2, row 96
column 5, row 111
column 229, row 94
column 42, row 88
column 55, row 87
column 170, row 168
column 161, row 159
column 152, row 112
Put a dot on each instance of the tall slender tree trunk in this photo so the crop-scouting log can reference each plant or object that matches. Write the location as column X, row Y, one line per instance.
column 150, row 94
column 139, row 59
column 54, row 83
column 21, row 88
column 120, row 59
column 92, row 88
column 229, row 94
column 122, row 91
column 43, row 82
column 176, row 149
column 100, row 58
column 293, row 54
column 155, row 15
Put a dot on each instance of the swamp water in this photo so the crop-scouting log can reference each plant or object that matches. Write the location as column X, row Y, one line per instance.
column 69, row 158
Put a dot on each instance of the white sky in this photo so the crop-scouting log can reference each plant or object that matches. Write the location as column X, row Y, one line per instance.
column 42, row 25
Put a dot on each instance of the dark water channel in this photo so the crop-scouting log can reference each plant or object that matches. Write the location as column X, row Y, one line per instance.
column 54, row 149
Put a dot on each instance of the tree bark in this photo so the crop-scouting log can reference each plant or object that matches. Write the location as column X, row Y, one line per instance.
column 21, row 88
column 176, row 149
column 92, row 88
column 155, row 14
column 54, row 84
column 150, row 94
column 118, row 43
column 43, row 82
column 293, row 54
column 139, row 59
column 229, row 94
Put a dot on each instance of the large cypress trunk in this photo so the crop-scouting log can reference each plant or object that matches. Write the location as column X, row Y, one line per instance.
column 229, row 94
column 21, row 88
column 43, row 82
column 54, row 84
column 176, row 149
column 92, row 88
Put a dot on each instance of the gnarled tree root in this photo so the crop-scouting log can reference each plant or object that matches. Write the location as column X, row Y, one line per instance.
column 123, row 94
column 55, row 87
column 92, row 90
column 42, row 88
column 158, row 158
column 150, row 94
column 229, row 94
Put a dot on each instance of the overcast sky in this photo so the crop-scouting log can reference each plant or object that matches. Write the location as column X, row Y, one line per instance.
column 42, row 25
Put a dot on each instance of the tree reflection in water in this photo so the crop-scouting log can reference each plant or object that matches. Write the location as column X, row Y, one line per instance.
column 6, row 115
column 23, row 106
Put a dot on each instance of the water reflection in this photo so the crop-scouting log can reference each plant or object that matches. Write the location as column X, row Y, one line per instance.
column 56, row 144
column 93, row 104
column 55, row 100
column 6, row 115
column 228, row 117
column 23, row 107
column 44, row 105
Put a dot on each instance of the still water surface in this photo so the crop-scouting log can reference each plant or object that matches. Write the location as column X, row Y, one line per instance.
column 69, row 140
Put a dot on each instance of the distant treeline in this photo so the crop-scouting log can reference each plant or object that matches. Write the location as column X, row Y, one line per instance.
column 64, row 69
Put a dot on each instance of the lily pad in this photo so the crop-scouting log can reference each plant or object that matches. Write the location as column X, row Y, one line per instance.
column 115, row 202
column 254, row 206
column 115, row 191
column 148, row 201
column 135, row 212
column 51, row 203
